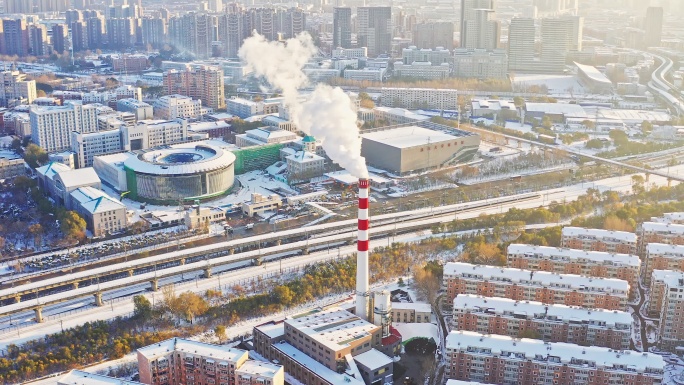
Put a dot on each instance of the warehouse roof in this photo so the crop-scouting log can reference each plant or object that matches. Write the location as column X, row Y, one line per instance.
column 410, row 136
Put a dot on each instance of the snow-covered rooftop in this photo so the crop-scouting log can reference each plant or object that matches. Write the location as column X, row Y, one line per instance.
column 51, row 169
column 79, row 377
column 401, row 112
column 667, row 228
column 535, row 278
column 272, row 329
column 540, row 351
column 679, row 216
column 78, row 177
column 457, row 382
column 582, row 232
column 206, row 156
column 96, row 201
column 203, row 126
column 334, row 328
column 216, row 352
column 566, row 109
column 532, row 309
column 258, row 368
column 556, row 253
column 410, row 136
column 665, row 250
column 316, row 367
column 417, row 306
column 373, row 359
column 660, row 275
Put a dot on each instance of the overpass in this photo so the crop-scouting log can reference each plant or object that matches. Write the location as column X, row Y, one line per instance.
column 206, row 258
column 616, row 163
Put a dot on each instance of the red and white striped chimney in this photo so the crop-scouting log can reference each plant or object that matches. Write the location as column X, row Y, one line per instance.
column 362, row 285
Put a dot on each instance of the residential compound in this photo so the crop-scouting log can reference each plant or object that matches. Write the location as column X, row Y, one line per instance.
column 570, row 261
column 198, row 82
column 660, row 256
column 180, row 361
column 541, row 286
column 555, row 323
column 659, row 232
column 500, row 359
column 599, row 240
column 327, row 347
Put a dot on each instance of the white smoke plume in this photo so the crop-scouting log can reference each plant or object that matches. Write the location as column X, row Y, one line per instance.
column 328, row 113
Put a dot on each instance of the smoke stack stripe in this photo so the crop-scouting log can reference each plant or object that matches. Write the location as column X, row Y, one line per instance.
column 362, row 284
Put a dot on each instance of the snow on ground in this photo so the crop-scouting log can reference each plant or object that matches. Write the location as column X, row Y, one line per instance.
column 674, row 375
column 415, row 330
column 524, row 128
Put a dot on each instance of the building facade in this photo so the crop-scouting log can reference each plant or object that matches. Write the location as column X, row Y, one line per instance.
column 570, row 261
column 554, row 323
column 198, row 82
column 481, row 64
column 374, row 29
column 540, row 286
column 660, row 256
column 599, row 240
column 443, row 99
column 171, row 107
column 505, row 360
column 51, row 127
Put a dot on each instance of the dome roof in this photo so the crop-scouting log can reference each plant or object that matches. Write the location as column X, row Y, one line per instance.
column 309, row 139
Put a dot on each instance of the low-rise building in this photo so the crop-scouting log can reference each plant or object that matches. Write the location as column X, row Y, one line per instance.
column 671, row 326
column 369, row 74
column 393, row 116
column 571, row 261
column 422, row 70
column 599, row 240
column 263, row 136
column 279, row 123
column 86, row 146
column 303, row 166
column 181, row 361
column 504, row 360
column 12, row 165
column 480, row 63
column 657, row 291
column 658, row 232
column 103, row 214
column 660, row 256
column 541, row 286
column 199, row 216
column 213, row 129
column 501, row 109
column 443, row 99
column 555, row 323
column 260, row 203
column 79, row 377
column 153, row 133
column 58, row 181
column 141, row 110
column 411, row 312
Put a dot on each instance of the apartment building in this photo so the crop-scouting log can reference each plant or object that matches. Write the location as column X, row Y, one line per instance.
column 657, row 290
column 672, row 305
column 570, row 261
column 198, row 82
column 153, row 133
column 505, row 360
column 181, row 361
column 11, row 165
column 661, row 256
column 15, row 89
column 541, row 286
column 609, row 241
column 555, row 323
column 177, row 107
column 445, row 99
column 657, row 232
column 87, row 146
column 674, row 218
column 51, row 126
column 325, row 347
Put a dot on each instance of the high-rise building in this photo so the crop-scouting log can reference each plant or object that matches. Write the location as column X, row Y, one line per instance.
column 671, row 325
column 554, row 8
column 374, row 29
column 341, row 27
column 121, row 33
column 154, row 31
column 468, row 8
column 653, row 25
column 233, row 29
column 434, row 34
column 290, row 22
column 96, row 34
column 521, row 44
column 599, row 240
column 481, row 31
column 79, row 36
column 215, row 6
column 73, row 15
column 16, row 37
column 16, row 89
column 558, row 37
column 51, row 127
column 60, row 34
column 37, row 39
column 200, row 82
column 18, row 6
column 194, row 32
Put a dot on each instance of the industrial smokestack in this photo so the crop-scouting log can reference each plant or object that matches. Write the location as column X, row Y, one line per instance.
column 362, row 285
